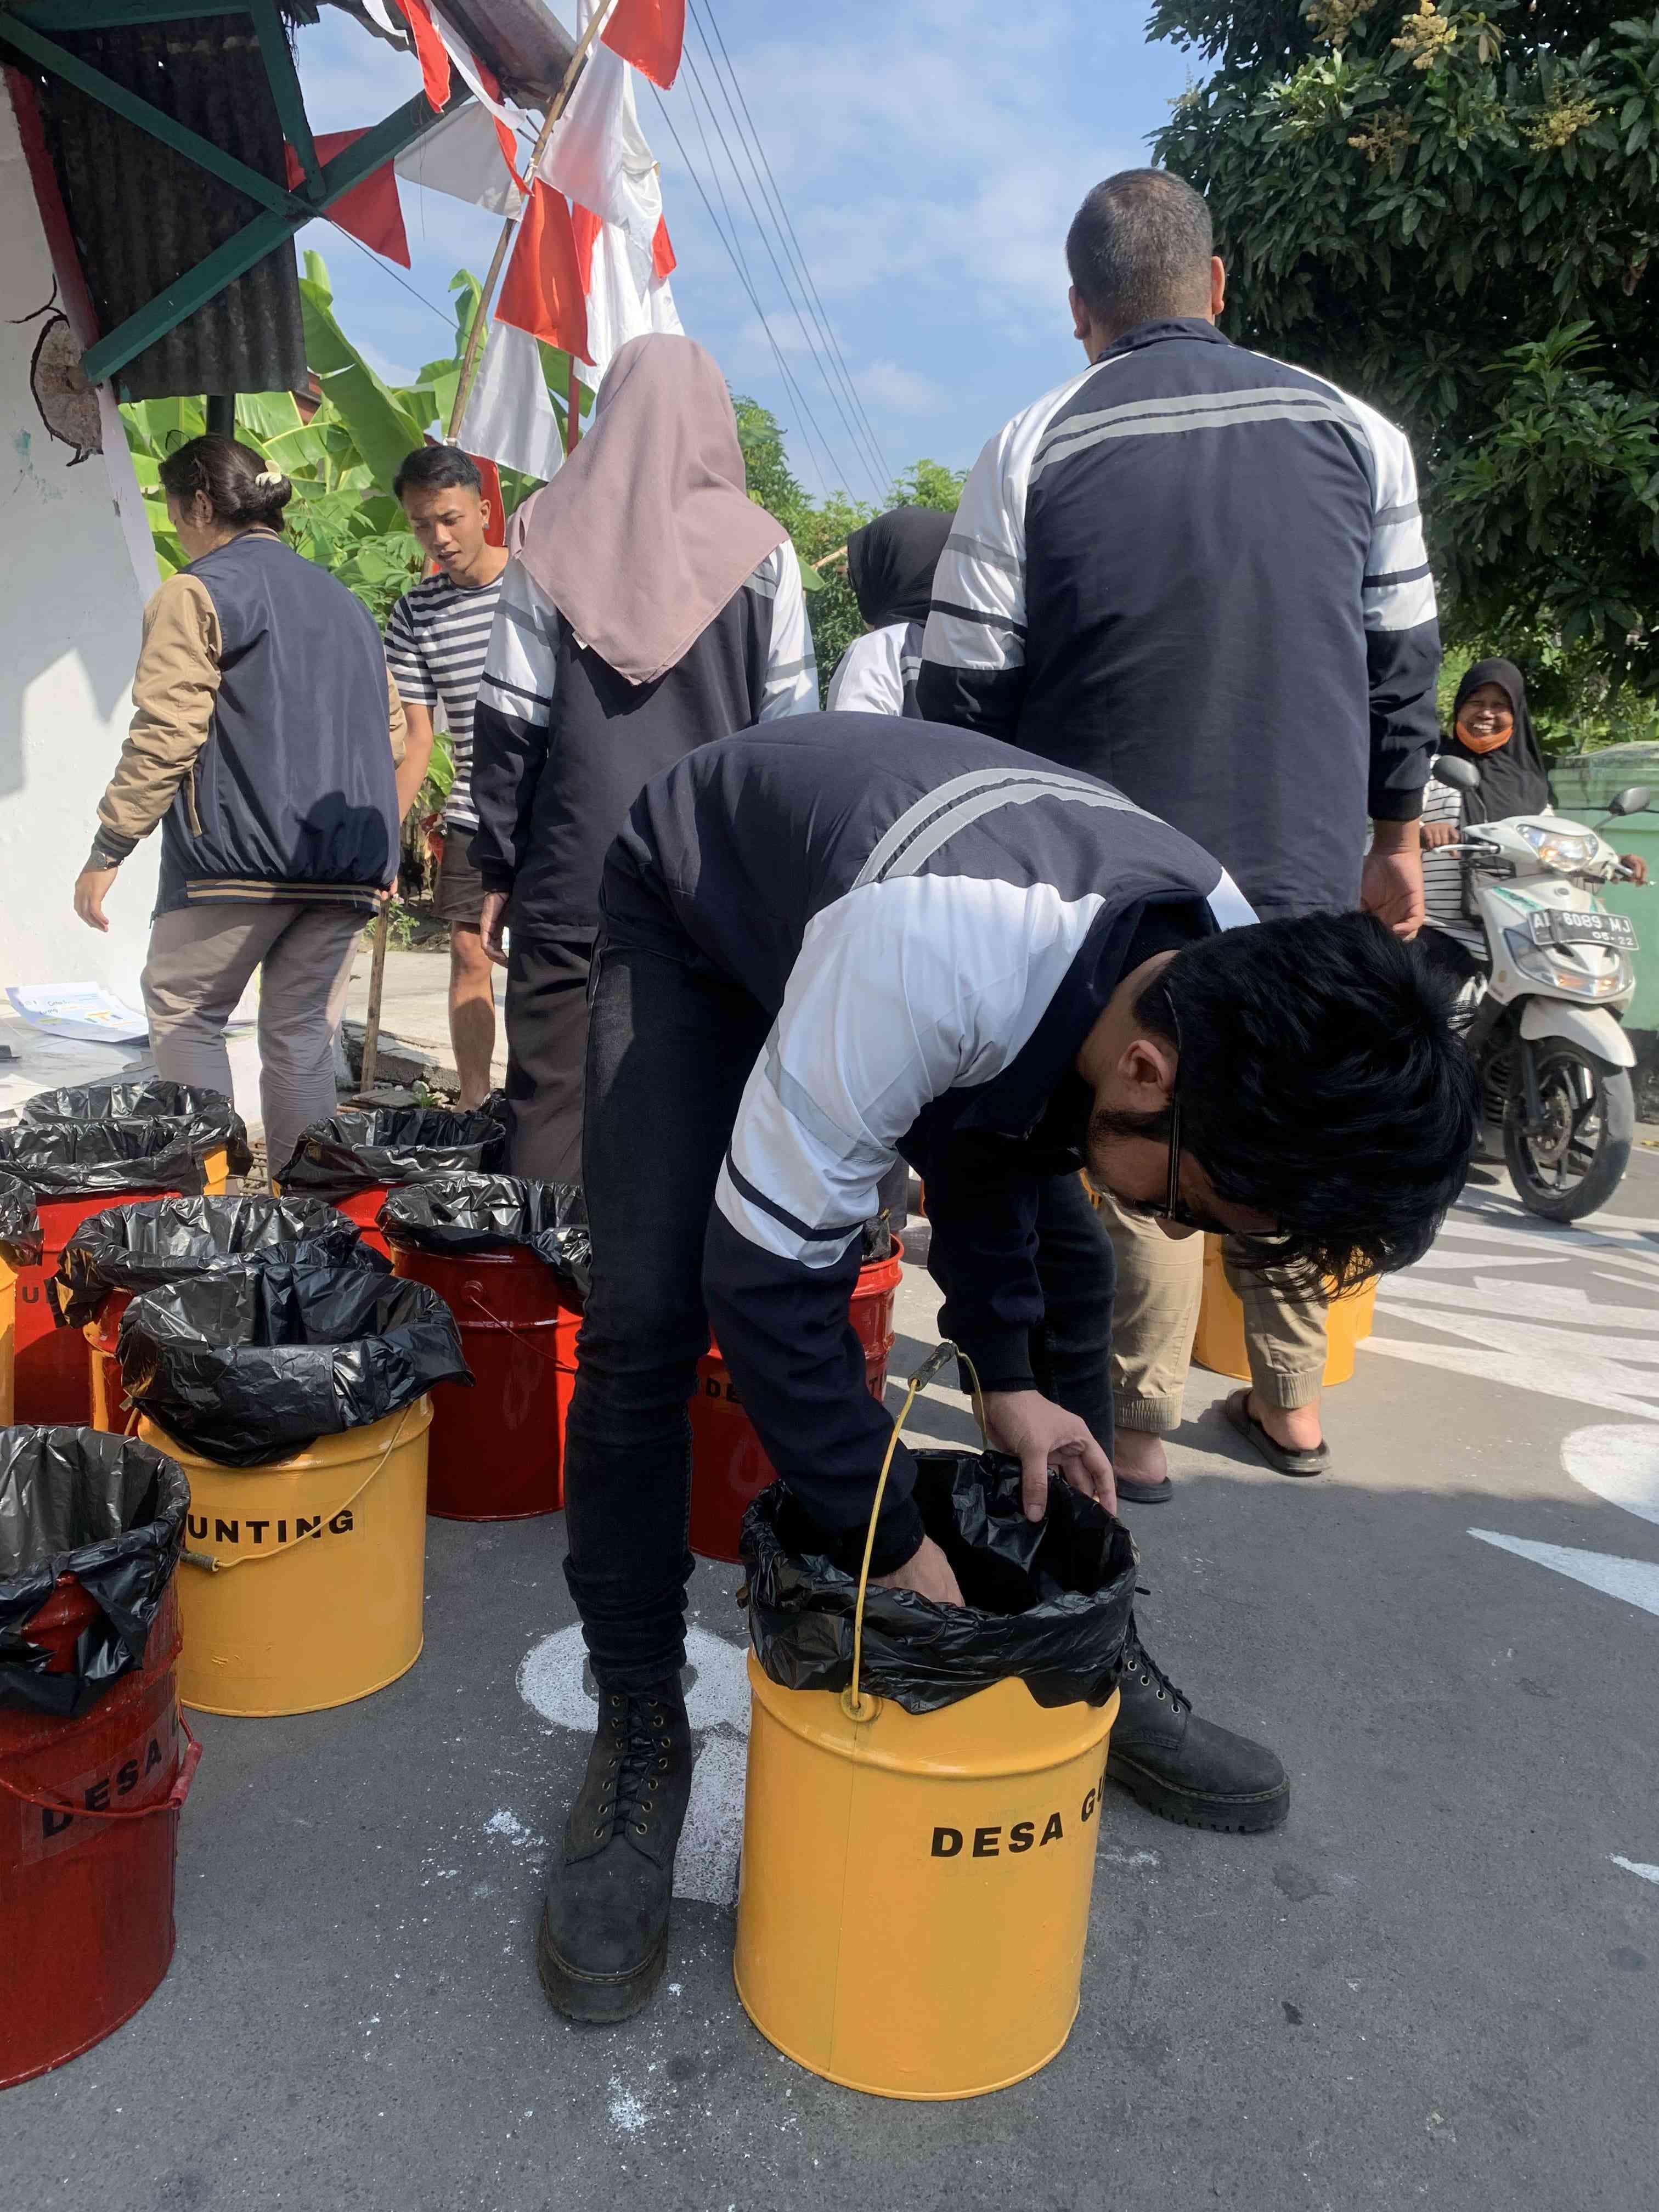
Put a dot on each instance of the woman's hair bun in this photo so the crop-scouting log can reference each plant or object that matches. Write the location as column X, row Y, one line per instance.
column 233, row 478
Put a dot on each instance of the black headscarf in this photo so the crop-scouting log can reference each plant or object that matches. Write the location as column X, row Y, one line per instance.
column 1513, row 778
column 890, row 563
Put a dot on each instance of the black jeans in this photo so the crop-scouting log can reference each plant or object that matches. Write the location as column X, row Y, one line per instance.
column 1071, row 1345
column 546, row 1043
column 670, row 1046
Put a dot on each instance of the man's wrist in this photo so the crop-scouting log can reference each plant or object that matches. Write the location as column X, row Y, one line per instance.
column 101, row 859
column 1390, row 837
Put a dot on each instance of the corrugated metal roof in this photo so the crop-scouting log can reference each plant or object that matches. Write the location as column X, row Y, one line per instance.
column 142, row 215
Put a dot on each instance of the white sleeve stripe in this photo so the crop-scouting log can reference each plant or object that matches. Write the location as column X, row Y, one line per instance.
column 955, row 642
column 1231, row 909
column 1400, row 606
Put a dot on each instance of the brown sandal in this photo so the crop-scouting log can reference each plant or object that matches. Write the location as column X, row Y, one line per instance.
column 1277, row 1456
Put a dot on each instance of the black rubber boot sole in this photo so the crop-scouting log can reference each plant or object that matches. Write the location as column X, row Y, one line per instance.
column 598, row 2000
column 1225, row 1816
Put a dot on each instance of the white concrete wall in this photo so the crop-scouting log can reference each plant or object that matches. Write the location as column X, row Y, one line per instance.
column 71, row 534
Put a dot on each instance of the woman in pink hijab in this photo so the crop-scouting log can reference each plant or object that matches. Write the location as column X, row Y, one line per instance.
column 652, row 608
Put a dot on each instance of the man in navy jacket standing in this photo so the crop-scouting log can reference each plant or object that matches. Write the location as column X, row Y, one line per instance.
column 821, row 952
column 1200, row 573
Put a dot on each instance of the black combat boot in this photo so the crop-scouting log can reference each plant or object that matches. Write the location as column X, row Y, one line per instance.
column 603, row 1937
column 1186, row 1768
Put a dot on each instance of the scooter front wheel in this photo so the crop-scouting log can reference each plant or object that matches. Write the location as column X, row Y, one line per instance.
column 1573, row 1164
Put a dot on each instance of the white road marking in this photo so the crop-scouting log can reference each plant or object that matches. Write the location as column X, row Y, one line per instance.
column 1635, row 1581
column 552, row 1681
column 1618, row 1464
column 1636, row 1866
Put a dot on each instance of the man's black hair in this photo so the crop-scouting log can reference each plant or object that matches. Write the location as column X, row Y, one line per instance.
column 436, row 468
column 1321, row 1084
column 1139, row 250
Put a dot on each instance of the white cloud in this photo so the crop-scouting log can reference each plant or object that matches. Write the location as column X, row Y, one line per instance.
column 889, row 383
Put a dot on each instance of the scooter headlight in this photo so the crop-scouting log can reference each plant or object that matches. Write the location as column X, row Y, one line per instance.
column 1562, row 849
column 1605, row 974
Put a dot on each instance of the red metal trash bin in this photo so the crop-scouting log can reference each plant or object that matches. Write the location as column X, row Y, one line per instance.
column 729, row 1468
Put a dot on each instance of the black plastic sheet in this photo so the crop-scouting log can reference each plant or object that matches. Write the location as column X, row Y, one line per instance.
column 163, row 1240
column 248, row 1368
column 20, row 1224
column 1047, row 1600
column 211, row 1122
column 108, row 1511
column 489, row 1214
column 360, row 1146
column 72, row 1159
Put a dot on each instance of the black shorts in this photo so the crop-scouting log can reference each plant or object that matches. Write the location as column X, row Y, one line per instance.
column 458, row 896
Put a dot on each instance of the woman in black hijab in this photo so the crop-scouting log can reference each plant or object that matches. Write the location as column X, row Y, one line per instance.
column 1492, row 730
column 890, row 565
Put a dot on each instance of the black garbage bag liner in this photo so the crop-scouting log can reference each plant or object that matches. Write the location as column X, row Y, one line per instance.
column 72, row 1159
column 482, row 1212
column 108, row 1511
column 1047, row 1600
column 213, row 1120
column 361, row 1146
column 162, row 1240
column 20, row 1224
column 249, row 1368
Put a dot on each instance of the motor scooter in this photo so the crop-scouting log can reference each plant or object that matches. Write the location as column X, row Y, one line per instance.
column 1554, row 1064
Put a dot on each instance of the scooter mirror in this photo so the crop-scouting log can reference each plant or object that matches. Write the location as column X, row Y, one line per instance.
column 1461, row 774
column 1635, row 800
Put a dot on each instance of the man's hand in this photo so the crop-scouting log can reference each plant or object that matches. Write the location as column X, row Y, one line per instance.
column 1041, row 1435
column 492, row 920
column 1391, row 881
column 91, row 886
column 1440, row 833
column 928, row 1572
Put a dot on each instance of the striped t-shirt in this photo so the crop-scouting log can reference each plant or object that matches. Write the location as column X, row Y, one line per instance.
column 435, row 641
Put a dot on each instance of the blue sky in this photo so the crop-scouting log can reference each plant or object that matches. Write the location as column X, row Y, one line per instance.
column 929, row 158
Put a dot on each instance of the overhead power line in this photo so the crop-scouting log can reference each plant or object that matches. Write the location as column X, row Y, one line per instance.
column 839, row 390
column 728, row 239
column 797, row 253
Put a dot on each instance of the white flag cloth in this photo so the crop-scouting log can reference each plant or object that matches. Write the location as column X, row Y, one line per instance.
column 598, row 148
column 620, row 305
column 509, row 416
column 462, row 157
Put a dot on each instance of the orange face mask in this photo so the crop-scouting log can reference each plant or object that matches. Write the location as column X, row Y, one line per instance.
column 1487, row 741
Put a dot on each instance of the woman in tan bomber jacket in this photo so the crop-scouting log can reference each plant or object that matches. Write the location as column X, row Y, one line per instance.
column 266, row 739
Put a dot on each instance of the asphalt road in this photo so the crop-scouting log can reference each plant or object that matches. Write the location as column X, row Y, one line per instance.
column 1436, row 1986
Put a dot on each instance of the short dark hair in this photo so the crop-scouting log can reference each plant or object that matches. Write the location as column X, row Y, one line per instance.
column 436, row 468
column 242, row 489
column 1139, row 250
column 1322, row 1084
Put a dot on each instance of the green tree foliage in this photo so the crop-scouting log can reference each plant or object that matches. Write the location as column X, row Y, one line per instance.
column 1453, row 210
column 819, row 528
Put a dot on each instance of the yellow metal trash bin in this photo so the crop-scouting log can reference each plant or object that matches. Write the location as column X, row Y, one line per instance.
column 303, row 1581
column 1219, row 1342
column 915, row 1891
column 8, row 1340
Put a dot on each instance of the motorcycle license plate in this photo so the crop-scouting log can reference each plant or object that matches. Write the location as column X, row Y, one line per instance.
column 1616, row 931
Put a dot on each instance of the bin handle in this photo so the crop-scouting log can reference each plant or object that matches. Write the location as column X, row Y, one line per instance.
column 855, row 1706
column 173, row 1802
column 523, row 1335
column 210, row 1563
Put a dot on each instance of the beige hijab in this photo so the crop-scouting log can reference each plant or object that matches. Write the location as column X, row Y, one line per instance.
column 647, row 530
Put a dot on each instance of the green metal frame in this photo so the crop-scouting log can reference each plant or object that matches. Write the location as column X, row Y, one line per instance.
column 23, row 27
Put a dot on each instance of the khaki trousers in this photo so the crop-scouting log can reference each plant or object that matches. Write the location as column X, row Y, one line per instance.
column 1160, row 1281
column 201, row 960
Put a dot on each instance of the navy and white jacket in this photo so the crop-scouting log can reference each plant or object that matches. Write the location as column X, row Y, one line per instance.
column 1200, row 573
column 936, row 927
column 561, row 742
column 876, row 674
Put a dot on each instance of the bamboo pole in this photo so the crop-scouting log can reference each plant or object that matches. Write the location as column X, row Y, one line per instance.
column 601, row 17
column 469, row 369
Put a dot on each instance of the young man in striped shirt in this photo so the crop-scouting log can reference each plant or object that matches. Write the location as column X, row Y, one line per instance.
column 435, row 643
